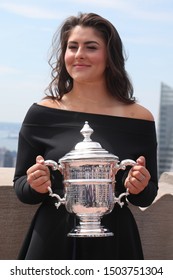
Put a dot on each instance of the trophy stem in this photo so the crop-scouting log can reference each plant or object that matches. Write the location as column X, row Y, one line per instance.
column 89, row 226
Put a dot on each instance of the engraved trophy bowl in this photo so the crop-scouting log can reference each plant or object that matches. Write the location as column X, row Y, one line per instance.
column 89, row 183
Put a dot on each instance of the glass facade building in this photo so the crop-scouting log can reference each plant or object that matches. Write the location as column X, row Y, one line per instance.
column 165, row 130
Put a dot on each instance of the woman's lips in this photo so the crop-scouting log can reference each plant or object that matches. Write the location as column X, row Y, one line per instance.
column 81, row 66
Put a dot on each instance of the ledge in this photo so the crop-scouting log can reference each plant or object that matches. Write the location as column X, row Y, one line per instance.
column 6, row 175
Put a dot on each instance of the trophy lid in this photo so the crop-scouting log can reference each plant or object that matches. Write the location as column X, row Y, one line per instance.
column 88, row 149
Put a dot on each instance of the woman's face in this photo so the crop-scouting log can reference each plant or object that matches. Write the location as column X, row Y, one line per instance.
column 86, row 56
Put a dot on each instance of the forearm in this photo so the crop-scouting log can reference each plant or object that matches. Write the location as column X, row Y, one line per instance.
column 146, row 197
column 25, row 193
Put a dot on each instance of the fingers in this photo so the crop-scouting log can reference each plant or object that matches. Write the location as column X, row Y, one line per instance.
column 138, row 177
column 141, row 161
column 39, row 184
column 140, row 174
column 40, row 159
column 38, row 176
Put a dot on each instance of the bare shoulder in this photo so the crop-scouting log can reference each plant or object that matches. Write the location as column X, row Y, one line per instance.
column 140, row 112
column 49, row 102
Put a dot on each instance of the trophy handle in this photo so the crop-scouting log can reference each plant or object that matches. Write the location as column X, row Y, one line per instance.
column 60, row 200
column 126, row 162
column 122, row 165
column 118, row 199
column 55, row 166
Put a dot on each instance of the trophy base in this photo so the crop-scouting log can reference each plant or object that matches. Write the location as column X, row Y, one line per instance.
column 98, row 232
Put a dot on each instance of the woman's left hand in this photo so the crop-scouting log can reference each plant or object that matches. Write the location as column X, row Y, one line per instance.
column 138, row 177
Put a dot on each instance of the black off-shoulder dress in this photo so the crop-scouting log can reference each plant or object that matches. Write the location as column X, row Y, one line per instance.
column 52, row 133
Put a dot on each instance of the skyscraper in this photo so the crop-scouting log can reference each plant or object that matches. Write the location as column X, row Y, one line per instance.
column 165, row 130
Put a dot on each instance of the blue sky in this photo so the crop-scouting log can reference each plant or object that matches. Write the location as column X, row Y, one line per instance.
column 27, row 27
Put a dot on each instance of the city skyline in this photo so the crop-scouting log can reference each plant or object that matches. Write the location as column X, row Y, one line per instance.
column 165, row 130
column 27, row 28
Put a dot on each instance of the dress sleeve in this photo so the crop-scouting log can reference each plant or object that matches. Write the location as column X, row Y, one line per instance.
column 146, row 197
column 26, row 157
column 148, row 149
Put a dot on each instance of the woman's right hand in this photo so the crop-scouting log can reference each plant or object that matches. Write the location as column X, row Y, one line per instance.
column 38, row 176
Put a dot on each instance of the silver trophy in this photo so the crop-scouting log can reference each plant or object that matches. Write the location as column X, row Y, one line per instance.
column 89, row 183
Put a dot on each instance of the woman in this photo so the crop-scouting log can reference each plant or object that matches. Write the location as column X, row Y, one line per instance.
column 89, row 82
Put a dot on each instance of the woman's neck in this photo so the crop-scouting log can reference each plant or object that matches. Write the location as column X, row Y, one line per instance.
column 90, row 94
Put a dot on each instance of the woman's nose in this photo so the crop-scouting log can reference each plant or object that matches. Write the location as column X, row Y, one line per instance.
column 80, row 53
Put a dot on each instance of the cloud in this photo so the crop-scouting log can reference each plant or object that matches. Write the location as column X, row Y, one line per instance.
column 116, row 4
column 29, row 11
column 8, row 70
column 154, row 40
column 136, row 9
column 130, row 9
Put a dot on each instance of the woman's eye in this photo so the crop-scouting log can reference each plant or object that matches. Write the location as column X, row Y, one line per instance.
column 72, row 47
column 92, row 47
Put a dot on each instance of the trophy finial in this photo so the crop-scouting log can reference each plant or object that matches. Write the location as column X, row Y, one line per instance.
column 87, row 145
column 86, row 131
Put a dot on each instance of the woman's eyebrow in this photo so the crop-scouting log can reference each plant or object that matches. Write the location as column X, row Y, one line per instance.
column 91, row 42
column 86, row 43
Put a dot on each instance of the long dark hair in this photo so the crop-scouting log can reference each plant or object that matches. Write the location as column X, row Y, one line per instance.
column 118, row 82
